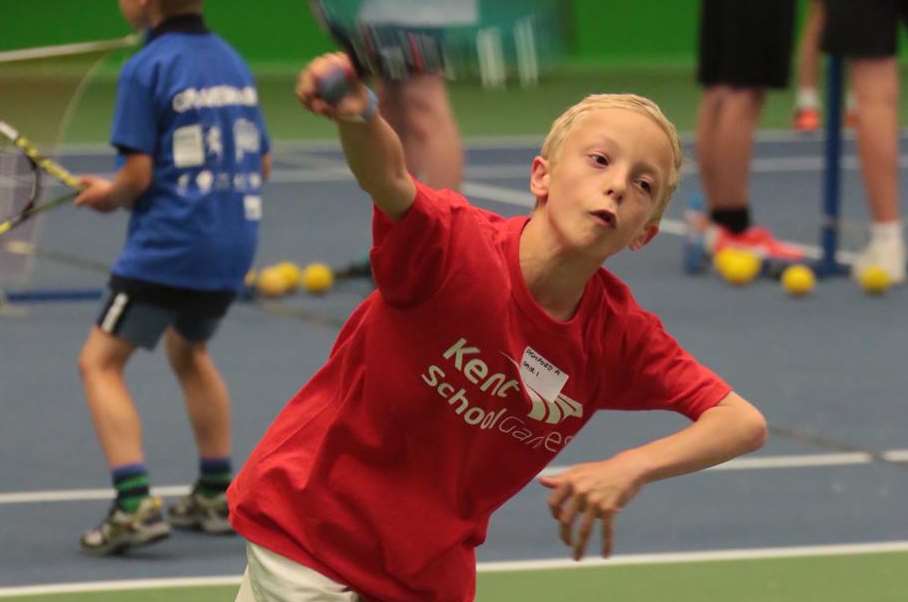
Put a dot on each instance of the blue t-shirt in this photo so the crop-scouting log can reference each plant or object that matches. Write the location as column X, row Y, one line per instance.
column 188, row 100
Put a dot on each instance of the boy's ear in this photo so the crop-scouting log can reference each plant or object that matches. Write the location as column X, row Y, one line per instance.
column 540, row 173
column 649, row 232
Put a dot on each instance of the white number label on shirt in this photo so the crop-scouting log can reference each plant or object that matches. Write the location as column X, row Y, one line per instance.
column 541, row 375
column 188, row 148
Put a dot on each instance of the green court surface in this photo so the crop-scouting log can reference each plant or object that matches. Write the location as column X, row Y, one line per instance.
column 858, row 578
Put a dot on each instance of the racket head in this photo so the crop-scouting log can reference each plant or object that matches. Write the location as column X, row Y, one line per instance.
column 388, row 51
column 20, row 177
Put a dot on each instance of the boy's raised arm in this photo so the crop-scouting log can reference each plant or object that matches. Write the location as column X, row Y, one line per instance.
column 373, row 150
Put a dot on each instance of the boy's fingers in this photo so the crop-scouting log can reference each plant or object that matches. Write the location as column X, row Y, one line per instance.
column 551, row 482
column 305, row 84
column 583, row 532
column 607, row 532
column 566, row 520
column 556, row 499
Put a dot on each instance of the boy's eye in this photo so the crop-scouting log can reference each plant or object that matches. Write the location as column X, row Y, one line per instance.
column 646, row 186
column 600, row 159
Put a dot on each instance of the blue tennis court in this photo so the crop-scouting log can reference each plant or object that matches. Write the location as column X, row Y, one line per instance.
column 827, row 370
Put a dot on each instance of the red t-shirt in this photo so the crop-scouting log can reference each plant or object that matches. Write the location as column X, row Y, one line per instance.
column 383, row 470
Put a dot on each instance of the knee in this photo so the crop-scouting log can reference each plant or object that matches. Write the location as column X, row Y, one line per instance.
column 186, row 358
column 426, row 109
column 93, row 363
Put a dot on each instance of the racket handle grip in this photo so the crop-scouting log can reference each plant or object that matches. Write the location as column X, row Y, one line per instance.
column 333, row 86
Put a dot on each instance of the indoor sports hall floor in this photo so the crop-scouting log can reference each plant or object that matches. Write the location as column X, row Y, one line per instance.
column 829, row 372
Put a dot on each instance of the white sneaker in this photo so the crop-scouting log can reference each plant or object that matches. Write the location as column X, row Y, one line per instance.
column 889, row 255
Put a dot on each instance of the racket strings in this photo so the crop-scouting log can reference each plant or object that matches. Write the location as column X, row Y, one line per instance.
column 20, row 182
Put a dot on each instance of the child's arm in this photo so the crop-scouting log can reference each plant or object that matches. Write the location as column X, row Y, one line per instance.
column 373, row 150
column 266, row 166
column 128, row 184
column 599, row 490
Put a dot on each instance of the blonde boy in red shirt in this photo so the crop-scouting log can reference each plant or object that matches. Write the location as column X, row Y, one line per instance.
column 489, row 343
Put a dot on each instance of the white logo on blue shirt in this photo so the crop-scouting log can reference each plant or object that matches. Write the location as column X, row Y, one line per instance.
column 246, row 138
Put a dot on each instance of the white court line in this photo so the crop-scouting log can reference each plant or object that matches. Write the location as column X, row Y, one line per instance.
column 80, row 495
column 753, row 463
column 509, row 196
column 789, row 461
column 313, row 169
column 499, row 567
column 337, row 171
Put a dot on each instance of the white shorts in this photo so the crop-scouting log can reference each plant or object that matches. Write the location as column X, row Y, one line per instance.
column 270, row 577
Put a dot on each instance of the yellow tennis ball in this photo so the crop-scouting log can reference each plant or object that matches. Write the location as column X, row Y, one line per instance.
column 874, row 280
column 798, row 280
column 738, row 266
column 249, row 279
column 722, row 259
column 272, row 283
column 292, row 273
column 317, row 278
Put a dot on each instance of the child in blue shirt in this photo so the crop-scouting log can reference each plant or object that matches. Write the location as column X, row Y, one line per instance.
column 193, row 153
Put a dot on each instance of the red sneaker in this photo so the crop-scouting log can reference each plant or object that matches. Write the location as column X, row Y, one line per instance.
column 851, row 118
column 806, row 119
column 756, row 240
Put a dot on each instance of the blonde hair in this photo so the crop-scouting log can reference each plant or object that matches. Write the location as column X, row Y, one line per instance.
column 566, row 121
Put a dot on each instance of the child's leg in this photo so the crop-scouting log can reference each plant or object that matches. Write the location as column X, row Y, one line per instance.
column 208, row 407
column 206, row 396
column 135, row 518
column 101, row 364
column 427, row 129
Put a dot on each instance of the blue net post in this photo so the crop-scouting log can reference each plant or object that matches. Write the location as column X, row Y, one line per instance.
column 827, row 265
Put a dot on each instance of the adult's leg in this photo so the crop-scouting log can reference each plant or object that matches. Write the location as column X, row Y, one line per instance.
column 427, row 128
column 728, row 118
column 876, row 88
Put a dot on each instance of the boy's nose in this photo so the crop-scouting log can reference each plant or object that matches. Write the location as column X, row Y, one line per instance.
column 615, row 190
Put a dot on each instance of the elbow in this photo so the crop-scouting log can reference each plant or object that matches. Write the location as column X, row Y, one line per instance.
column 755, row 430
column 140, row 185
column 133, row 191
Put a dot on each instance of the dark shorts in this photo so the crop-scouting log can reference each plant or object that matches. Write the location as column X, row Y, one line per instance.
column 139, row 312
column 746, row 43
column 863, row 28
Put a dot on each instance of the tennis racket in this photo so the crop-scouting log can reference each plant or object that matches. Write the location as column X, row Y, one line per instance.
column 22, row 170
column 390, row 52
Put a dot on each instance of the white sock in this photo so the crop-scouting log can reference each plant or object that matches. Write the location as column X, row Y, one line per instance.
column 886, row 233
column 807, row 98
column 850, row 101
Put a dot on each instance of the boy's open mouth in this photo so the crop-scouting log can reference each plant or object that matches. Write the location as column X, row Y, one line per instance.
column 607, row 218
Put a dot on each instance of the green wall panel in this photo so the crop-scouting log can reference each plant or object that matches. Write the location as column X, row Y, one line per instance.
column 264, row 31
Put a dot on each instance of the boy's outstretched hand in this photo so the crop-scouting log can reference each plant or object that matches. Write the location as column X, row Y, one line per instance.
column 591, row 491
column 314, row 79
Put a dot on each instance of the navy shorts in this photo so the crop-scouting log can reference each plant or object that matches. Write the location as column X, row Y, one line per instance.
column 863, row 29
column 745, row 43
column 139, row 312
